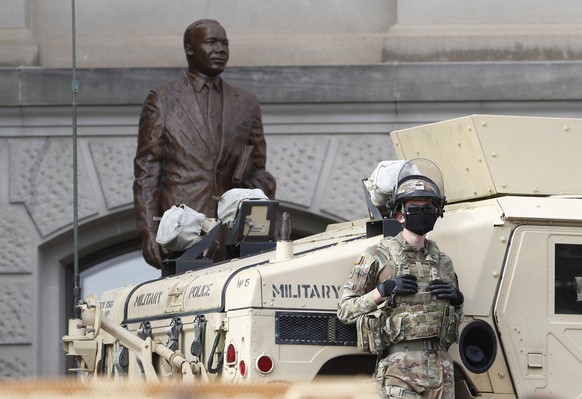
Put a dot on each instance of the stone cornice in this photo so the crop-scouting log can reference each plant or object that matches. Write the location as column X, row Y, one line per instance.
column 390, row 82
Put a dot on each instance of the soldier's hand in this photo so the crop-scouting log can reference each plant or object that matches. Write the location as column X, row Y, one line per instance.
column 151, row 249
column 445, row 290
column 401, row 285
column 406, row 285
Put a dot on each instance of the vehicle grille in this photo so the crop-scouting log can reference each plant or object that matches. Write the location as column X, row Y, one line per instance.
column 313, row 329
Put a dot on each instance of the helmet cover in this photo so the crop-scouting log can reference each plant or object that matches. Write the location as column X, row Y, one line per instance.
column 418, row 178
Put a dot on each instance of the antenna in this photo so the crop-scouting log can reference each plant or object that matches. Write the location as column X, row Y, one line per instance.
column 75, row 90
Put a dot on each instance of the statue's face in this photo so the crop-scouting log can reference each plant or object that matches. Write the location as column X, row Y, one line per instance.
column 207, row 51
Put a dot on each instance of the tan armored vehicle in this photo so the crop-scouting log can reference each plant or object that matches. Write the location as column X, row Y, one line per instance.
column 513, row 227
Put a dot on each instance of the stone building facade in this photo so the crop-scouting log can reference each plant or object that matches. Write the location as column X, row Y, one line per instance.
column 333, row 77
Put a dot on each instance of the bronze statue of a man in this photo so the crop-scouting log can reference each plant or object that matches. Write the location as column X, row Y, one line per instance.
column 192, row 134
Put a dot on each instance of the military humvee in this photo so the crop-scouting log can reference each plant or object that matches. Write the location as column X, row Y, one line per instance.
column 513, row 227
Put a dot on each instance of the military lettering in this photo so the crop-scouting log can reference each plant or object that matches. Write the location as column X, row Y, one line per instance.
column 151, row 298
column 106, row 307
column 199, row 291
column 320, row 291
column 106, row 304
column 243, row 283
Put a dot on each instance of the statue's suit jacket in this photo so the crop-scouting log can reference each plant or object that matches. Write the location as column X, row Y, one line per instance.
column 179, row 161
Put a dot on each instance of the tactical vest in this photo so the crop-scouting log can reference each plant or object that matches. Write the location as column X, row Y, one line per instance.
column 409, row 317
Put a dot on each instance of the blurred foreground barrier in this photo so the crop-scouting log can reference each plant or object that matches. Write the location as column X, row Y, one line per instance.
column 70, row 388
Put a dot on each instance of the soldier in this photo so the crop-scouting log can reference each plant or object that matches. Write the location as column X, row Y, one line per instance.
column 403, row 294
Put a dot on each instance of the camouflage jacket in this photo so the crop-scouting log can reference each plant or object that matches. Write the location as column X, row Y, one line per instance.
column 375, row 265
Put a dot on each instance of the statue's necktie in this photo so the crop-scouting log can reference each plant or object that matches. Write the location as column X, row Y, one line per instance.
column 211, row 107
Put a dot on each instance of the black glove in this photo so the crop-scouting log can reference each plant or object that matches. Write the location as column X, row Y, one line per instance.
column 444, row 290
column 401, row 285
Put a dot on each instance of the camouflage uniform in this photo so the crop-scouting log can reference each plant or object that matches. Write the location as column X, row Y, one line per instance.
column 414, row 330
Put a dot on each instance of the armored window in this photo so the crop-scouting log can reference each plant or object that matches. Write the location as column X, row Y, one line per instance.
column 568, row 278
column 129, row 268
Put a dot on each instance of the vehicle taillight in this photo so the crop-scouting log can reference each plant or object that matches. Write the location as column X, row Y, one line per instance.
column 242, row 368
column 265, row 364
column 230, row 355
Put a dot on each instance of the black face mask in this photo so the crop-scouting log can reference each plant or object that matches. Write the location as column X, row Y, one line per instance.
column 420, row 223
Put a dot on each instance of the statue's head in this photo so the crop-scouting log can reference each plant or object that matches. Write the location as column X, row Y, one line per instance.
column 206, row 47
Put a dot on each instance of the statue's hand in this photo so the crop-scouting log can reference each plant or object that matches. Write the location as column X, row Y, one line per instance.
column 151, row 249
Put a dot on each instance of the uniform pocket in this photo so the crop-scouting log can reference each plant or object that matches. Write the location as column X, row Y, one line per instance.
column 449, row 333
column 394, row 328
column 370, row 330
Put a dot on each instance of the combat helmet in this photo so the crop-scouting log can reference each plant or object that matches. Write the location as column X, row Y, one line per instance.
column 418, row 178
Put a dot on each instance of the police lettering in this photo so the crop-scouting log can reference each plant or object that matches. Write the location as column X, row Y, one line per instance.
column 151, row 298
column 199, row 291
column 308, row 291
